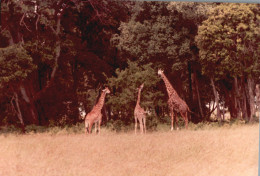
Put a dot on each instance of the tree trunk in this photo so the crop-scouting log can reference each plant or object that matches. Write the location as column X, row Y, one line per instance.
column 75, row 100
column 237, row 99
column 194, row 97
column 50, row 81
column 223, row 112
column 230, row 101
column 216, row 99
column 198, row 97
column 18, row 111
column 257, row 92
column 244, row 104
column 190, row 85
column 250, row 84
column 17, row 38
column 196, row 102
column 30, row 102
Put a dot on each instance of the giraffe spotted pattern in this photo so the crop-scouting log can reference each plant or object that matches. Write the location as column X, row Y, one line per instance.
column 175, row 103
column 95, row 115
column 139, row 113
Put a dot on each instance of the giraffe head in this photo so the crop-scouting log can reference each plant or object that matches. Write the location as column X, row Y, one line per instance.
column 160, row 72
column 106, row 90
column 142, row 86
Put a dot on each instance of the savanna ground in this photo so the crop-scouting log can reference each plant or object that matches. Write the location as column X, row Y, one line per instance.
column 205, row 151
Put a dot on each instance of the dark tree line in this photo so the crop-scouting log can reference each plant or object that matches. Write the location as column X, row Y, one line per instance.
column 56, row 56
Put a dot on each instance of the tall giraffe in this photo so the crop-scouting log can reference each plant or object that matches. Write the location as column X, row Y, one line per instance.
column 175, row 103
column 139, row 113
column 95, row 115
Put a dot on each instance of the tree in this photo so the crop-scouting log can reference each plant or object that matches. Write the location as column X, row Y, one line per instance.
column 191, row 15
column 124, row 85
column 163, row 33
column 15, row 67
column 229, row 52
column 54, row 35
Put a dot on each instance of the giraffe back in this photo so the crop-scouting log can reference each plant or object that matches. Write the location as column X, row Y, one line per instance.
column 178, row 104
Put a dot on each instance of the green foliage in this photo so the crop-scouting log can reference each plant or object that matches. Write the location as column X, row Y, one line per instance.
column 34, row 129
column 42, row 53
column 228, row 41
column 124, row 87
column 152, row 123
column 194, row 12
column 152, row 35
column 122, row 126
column 33, row 44
column 160, row 33
column 11, row 129
column 15, row 64
column 118, row 126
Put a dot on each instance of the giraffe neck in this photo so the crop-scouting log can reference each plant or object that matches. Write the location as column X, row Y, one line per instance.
column 101, row 101
column 169, row 88
column 138, row 98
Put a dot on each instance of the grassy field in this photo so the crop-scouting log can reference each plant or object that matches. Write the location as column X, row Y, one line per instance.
column 204, row 152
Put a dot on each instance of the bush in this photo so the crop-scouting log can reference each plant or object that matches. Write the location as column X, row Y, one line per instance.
column 167, row 120
column 35, row 129
column 10, row 129
column 151, row 123
column 118, row 126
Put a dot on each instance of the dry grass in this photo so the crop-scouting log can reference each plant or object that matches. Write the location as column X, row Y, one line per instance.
column 219, row 151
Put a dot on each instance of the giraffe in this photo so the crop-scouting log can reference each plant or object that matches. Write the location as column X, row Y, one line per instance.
column 139, row 113
column 95, row 115
column 175, row 103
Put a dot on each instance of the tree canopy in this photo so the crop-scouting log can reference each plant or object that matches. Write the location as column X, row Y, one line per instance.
column 56, row 56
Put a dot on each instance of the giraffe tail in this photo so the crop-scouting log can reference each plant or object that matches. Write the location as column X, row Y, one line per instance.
column 87, row 127
column 191, row 112
column 189, row 116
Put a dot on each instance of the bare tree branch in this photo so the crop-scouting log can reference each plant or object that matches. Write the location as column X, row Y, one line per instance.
column 36, row 23
column 23, row 23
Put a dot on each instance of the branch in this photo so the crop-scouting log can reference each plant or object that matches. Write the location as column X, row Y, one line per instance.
column 23, row 23
column 3, row 29
column 97, row 13
column 12, row 105
column 213, row 105
column 36, row 23
column 53, row 30
column 211, row 111
column 26, row 27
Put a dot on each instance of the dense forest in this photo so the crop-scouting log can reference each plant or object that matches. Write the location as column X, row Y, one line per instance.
column 57, row 55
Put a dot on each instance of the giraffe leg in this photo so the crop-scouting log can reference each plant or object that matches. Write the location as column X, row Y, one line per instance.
column 144, row 121
column 135, row 124
column 141, row 126
column 184, row 116
column 96, row 127
column 176, row 121
column 186, row 120
column 86, row 127
column 172, row 117
column 86, row 130
column 99, row 124
column 90, row 127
